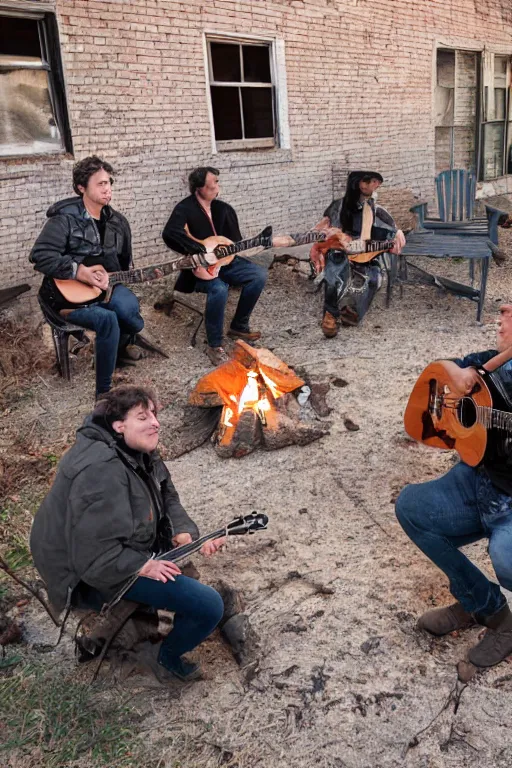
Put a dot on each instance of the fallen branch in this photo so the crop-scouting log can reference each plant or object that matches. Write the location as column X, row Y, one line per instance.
column 454, row 696
column 4, row 567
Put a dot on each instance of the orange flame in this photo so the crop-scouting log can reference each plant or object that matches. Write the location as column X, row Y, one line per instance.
column 250, row 398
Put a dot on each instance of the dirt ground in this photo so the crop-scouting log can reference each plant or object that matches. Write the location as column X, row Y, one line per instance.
column 334, row 587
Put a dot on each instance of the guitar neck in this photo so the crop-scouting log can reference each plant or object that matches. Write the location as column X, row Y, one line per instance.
column 305, row 238
column 147, row 273
column 243, row 245
column 179, row 553
column 491, row 418
column 368, row 246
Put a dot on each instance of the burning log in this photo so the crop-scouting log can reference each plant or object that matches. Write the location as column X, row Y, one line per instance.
column 254, row 389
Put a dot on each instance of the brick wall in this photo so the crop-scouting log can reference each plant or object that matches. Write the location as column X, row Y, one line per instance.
column 359, row 87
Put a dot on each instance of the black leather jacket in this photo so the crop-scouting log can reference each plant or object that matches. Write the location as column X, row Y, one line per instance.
column 71, row 237
column 498, row 457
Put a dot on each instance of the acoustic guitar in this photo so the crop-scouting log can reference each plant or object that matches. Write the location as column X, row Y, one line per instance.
column 74, row 293
column 438, row 416
column 358, row 251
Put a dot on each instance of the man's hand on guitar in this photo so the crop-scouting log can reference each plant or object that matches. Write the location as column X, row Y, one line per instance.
column 399, row 243
column 463, row 379
column 96, row 276
column 160, row 570
column 210, row 547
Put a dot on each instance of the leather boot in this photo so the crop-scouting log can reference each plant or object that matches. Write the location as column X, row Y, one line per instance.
column 329, row 325
column 496, row 644
column 441, row 621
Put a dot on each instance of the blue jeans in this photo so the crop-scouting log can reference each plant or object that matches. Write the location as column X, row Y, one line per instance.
column 459, row 508
column 197, row 611
column 336, row 279
column 109, row 320
column 251, row 277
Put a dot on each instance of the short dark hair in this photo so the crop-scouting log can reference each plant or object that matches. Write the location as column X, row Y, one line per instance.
column 114, row 405
column 84, row 169
column 197, row 177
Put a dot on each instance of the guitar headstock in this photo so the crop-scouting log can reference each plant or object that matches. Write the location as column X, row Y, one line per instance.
column 256, row 521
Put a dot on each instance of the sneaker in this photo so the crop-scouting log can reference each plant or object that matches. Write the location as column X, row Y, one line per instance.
column 329, row 326
column 216, row 355
column 441, row 621
column 246, row 335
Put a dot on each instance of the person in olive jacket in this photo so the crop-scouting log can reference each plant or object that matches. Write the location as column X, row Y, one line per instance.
column 111, row 508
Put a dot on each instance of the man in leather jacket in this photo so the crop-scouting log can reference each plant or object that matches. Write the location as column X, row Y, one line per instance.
column 113, row 506
column 463, row 506
column 82, row 234
column 197, row 217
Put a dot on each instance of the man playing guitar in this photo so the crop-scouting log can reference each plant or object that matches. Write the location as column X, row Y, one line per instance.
column 197, row 217
column 465, row 505
column 81, row 234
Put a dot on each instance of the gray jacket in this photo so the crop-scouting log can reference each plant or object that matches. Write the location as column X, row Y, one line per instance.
column 98, row 523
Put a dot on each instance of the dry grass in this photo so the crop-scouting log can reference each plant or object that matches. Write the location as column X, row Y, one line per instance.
column 22, row 356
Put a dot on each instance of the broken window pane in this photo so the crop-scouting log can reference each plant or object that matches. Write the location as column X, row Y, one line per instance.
column 258, row 113
column 27, row 123
column 499, row 103
column 19, row 37
column 226, row 62
column 226, row 113
column 446, row 68
column 256, row 63
column 508, row 157
column 445, row 88
column 493, row 150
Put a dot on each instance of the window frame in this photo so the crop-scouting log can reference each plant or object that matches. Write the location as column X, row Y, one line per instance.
column 51, row 62
column 488, row 70
column 277, row 85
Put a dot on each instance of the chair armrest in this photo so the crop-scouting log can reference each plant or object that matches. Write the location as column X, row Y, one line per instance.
column 493, row 218
column 420, row 210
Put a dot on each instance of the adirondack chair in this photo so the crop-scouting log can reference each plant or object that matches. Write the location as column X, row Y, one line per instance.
column 456, row 190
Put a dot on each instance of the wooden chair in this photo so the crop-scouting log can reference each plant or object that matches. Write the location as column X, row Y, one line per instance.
column 166, row 304
column 456, row 191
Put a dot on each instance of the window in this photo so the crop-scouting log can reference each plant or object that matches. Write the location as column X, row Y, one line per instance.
column 33, row 112
column 242, row 94
column 455, row 109
column 496, row 130
column 473, row 112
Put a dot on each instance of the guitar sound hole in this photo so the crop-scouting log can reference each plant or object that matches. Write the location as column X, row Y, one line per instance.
column 467, row 412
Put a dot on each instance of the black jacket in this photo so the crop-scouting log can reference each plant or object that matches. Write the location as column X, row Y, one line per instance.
column 190, row 213
column 98, row 523
column 498, row 456
column 71, row 237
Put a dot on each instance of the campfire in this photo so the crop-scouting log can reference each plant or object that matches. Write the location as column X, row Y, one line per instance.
column 254, row 389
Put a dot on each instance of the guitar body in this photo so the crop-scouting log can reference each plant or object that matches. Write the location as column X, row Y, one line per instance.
column 75, row 292
column 438, row 416
column 364, row 258
column 337, row 243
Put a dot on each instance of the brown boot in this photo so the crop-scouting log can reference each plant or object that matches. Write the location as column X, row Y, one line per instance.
column 496, row 644
column 247, row 335
column 441, row 621
column 216, row 355
column 329, row 325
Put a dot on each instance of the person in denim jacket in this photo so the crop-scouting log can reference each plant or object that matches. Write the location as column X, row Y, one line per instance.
column 463, row 506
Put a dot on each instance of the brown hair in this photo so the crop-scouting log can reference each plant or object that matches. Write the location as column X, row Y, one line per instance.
column 114, row 405
column 84, row 169
column 197, row 177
